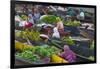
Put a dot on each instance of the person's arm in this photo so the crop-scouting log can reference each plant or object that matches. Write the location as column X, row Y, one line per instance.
column 57, row 25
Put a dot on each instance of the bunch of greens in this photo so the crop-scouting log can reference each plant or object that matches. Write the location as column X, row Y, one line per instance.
column 72, row 23
column 24, row 17
column 46, row 50
column 68, row 40
column 51, row 19
column 54, row 50
column 42, row 51
column 28, row 55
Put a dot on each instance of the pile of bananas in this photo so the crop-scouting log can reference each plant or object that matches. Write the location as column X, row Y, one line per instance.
column 20, row 46
column 33, row 35
column 57, row 59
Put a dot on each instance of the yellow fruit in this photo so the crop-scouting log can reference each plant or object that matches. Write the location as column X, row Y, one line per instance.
column 64, row 61
column 57, row 59
column 17, row 34
column 21, row 46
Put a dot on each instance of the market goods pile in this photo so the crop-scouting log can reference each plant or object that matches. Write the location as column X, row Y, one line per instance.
column 68, row 40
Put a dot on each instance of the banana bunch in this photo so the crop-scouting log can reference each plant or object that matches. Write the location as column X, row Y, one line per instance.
column 33, row 35
column 20, row 46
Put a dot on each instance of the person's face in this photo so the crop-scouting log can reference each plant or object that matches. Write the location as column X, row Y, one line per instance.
column 66, row 48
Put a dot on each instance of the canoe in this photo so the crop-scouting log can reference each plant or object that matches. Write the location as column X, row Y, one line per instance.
column 81, row 51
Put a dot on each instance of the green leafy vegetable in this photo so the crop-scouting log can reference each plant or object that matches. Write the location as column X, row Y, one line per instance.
column 49, row 19
column 72, row 23
column 28, row 55
column 68, row 40
column 46, row 50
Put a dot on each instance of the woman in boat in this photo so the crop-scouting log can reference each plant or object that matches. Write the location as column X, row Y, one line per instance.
column 68, row 54
column 60, row 27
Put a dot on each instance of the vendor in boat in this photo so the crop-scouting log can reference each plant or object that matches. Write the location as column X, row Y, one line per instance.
column 46, row 32
column 60, row 27
column 59, row 24
column 68, row 54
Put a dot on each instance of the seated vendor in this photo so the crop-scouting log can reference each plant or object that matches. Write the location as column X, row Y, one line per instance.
column 46, row 32
column 59, row 24
column 60, row 27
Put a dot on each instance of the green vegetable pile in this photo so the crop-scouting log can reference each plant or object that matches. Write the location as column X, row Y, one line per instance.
column 72, row 23
column 24, row 17
column 68, row 40
column 46, row 50
column 28, row 55
column 51, row 19
column 42, row 51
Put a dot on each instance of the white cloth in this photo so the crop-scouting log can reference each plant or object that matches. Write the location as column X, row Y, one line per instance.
column 17, row 18
column 22, row 23
column 56, row 33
